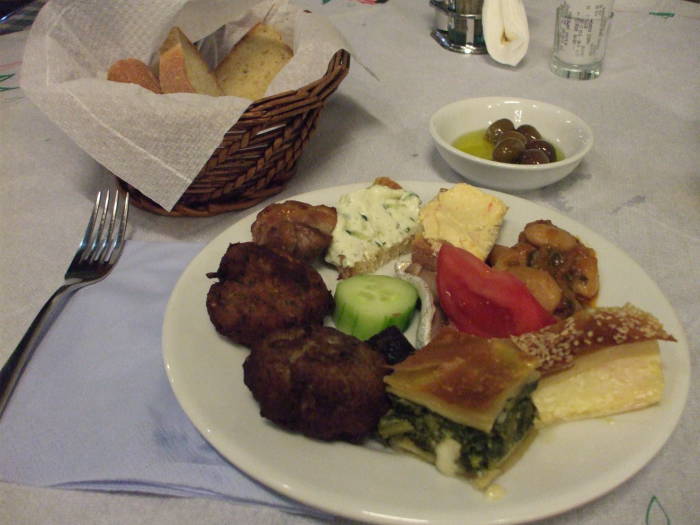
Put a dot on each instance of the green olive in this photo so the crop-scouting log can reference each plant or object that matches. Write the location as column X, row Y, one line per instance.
column 529, row 131
column 534, row 156
column 497, row 128
column 508, row 150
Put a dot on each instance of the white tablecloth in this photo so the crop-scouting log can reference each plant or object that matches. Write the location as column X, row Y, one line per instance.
column 639, row 187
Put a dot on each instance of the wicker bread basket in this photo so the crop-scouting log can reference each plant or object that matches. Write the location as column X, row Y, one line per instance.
column 258, row 155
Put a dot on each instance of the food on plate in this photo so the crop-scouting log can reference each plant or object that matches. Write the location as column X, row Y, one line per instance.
column 431, row 316
column 253, row 63
column 503, row 142
column 133, row 71
column 300, row 229
column 318, row 381
column 182, row 69
column 484, row 301
column 463, row 403
column 375, row 225
column 544, row 246
column 260, row 290
column 557, row 345
column 366, row 304
column 606, row 382
column 508, row 339
column 392, row 344
column 462, row 215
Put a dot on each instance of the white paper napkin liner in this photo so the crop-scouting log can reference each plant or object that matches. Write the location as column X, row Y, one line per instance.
column 156, row 143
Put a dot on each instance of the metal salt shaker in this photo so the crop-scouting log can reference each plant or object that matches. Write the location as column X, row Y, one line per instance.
column 458, row 26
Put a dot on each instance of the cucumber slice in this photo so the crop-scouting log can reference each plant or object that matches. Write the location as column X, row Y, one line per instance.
column 367, row 304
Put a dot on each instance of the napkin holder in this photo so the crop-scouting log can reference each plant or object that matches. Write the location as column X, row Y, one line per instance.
column 458, row 26
column 259, row 154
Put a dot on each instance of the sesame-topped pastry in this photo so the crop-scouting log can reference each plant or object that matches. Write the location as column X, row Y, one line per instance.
column 598, row 362
column 588, row 330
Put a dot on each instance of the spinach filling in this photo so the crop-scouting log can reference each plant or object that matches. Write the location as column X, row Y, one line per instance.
column 479, row 450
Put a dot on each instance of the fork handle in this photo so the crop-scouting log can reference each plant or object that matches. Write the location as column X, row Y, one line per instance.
column 13, row 368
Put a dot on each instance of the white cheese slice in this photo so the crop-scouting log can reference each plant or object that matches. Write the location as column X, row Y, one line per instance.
column 605, row 382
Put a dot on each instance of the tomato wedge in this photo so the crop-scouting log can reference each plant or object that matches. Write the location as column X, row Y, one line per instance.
column 485, row 302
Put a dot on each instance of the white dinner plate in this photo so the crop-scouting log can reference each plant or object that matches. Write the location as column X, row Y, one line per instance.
column 566, row 466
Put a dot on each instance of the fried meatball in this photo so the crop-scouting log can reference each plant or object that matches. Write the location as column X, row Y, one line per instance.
column 318, row 381
column 300, row 229
column 260, row 290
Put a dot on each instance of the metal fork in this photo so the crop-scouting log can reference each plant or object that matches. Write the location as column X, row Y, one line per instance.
column 97, row 254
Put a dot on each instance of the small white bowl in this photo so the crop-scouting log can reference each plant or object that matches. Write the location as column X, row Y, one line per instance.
column 566, row 131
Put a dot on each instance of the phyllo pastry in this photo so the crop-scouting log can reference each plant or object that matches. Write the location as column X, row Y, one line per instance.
column 463, row 403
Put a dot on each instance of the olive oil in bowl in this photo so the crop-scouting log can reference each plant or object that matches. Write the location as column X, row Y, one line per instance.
column 475, row 143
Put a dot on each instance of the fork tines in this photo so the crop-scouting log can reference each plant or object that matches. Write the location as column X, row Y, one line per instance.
column 104, row 235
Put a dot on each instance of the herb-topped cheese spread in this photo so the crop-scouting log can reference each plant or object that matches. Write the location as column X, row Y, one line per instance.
column 370, row 222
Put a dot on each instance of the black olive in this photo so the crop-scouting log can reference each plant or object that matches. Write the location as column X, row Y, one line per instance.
column 392, row 344
column 544, row 146
column 497, row 128
column 512, row 134
column 508, row 150
column 534, row 156
column 529, row 131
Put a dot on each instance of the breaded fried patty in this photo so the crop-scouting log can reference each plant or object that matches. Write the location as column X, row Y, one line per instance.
column 318, row 381
column 260, row 290
column 300, row 229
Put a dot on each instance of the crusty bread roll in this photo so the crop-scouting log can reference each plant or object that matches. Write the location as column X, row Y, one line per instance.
column 182, row 69
column 253, row 62
column 133, row 71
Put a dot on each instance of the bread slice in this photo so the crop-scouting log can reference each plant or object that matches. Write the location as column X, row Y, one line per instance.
column 374, row 226
column 182, row 69
column 133, row 71
column 464, row 216
column 253, row 62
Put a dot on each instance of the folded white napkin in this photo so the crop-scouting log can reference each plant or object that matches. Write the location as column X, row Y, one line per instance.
column 505, row 30
column 156, row 143
column 94, row 409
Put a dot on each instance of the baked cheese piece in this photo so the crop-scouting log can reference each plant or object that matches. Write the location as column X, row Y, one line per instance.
column 462, row 215
column 374, row 226
column 608, row 381
column 464, row 403
column 253, row 63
